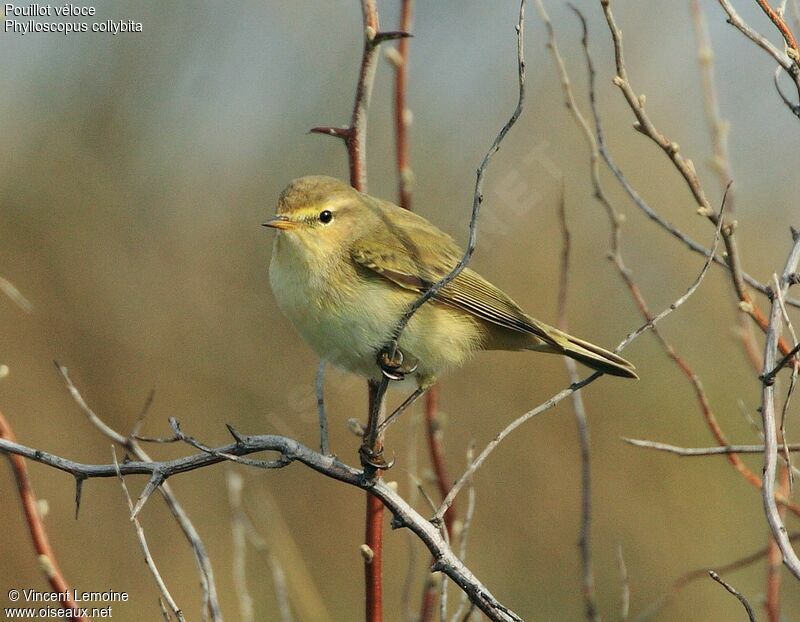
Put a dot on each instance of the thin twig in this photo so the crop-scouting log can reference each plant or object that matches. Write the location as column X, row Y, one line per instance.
column 784, row 29
column 718, row 129
column 733, row 591
column 735, row 20
column 547, row 405
column 207, row 583
column 701, row 573
column 790, row 558
column 578, row 406
column 770, row 375
column 477, row 198
column 702, row 399
column 702, row 451
column 148, row 558
column 686, row 169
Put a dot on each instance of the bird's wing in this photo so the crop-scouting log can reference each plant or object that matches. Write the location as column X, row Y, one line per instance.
column 410, row 252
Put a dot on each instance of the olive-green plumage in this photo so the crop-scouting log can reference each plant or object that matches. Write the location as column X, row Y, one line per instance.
column 345, row 267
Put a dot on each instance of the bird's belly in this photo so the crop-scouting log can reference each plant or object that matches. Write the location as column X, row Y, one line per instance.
column 347, row 331
column 350, row 330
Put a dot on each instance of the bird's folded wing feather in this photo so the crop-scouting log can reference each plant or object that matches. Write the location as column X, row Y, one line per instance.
column 413, row 254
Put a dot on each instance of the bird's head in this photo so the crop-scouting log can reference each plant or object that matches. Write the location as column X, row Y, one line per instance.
column 319, row 215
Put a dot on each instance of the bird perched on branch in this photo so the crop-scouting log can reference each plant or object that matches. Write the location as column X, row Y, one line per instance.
column 347, row 266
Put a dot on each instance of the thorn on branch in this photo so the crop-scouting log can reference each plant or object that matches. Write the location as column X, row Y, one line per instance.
column 79, row 479
column 398, row 522
column 345, row 133
column 238, row 438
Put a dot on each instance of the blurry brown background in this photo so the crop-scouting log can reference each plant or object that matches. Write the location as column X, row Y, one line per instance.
column 134, row 174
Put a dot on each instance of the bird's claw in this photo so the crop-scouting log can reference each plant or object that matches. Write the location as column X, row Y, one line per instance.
column 393, row 366
column 374, row 458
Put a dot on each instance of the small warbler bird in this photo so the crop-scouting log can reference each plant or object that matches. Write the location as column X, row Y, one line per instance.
column 346, row 266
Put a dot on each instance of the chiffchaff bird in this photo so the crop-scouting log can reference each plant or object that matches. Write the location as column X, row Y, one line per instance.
column 346, row 266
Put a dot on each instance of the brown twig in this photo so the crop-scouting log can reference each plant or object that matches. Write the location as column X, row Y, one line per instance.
column 36, row 528
column 436, row 449
column 430, row 590
column 786, row 61
column 687, row 170
column 354, row 136
column 373, row 563
column 402, row 115
column 784, row 29
column 700, row 394
column 718, row 129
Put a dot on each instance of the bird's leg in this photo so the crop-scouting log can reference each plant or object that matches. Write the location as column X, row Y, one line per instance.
column 392, row 363
column 400, row 409
column 371, row 450
column 393, row 367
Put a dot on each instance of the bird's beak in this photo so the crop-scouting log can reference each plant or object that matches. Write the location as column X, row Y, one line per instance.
column 280, row 222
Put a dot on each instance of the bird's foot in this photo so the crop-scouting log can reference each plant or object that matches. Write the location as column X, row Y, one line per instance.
column 374, row 458
column 392, row 363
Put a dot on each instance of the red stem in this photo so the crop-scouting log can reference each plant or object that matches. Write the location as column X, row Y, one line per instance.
column 428, row 608
column 35, row 525
column 373, row 536
column 401, row 114
column 436, row 449
column 373, row 565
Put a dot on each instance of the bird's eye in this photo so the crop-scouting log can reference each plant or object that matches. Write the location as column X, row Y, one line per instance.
column 325, row 216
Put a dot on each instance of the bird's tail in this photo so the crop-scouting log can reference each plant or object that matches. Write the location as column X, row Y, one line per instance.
column 587, row 353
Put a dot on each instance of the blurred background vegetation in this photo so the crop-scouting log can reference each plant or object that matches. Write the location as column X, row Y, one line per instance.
column 134, row 175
